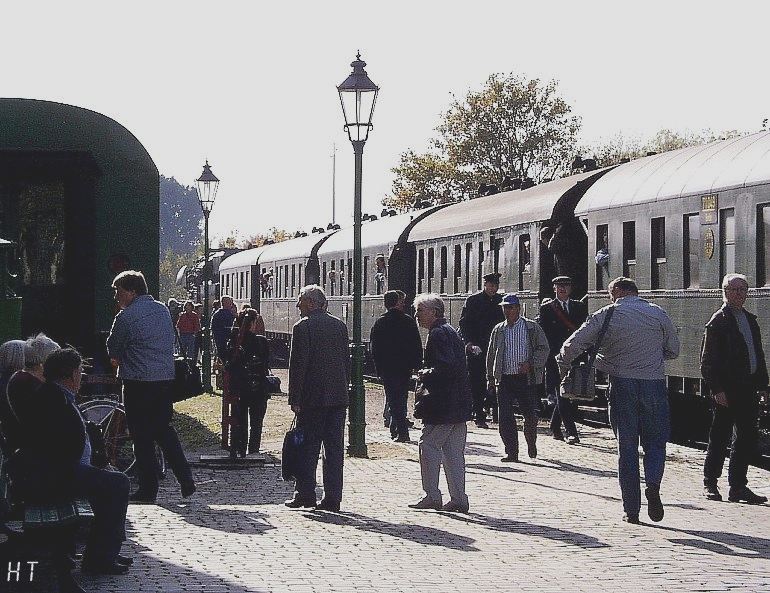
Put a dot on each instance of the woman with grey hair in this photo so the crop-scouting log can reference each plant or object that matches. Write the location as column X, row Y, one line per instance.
column 11, row 360
column 23, row 383
column 444, row 406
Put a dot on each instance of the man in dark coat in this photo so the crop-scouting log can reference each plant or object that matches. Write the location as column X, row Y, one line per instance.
column 397, row 351
column 319, row 373
column 480, row 314
column 222, row 324
column 733, row 365
column 57, row 463
column 559, row 318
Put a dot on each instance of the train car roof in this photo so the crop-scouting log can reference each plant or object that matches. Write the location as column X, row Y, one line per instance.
column 294, row 248
column 499, row 210
column 708, row 168
column 247, row 257
column 373, row 233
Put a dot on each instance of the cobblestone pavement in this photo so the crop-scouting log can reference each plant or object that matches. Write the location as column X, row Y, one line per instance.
column 550, row 524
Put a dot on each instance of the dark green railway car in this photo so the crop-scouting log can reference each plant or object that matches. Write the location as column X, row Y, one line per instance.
column 79, row 196
column 677, row 222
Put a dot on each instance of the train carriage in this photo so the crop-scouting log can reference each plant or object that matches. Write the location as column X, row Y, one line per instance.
column 677, row 222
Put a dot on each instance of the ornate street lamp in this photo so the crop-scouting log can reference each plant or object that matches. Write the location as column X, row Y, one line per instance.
column 208, row 184
column 358, row 95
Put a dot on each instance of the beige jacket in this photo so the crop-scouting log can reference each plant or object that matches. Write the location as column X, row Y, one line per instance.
column 538, row 352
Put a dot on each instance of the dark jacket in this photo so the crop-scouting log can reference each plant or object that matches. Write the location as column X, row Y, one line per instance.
column 221, row 326
column 319, row 362
column 555, row 329
column 396, row 344
column 724, row 361
column 248, row 363
column 445, row 375
column 52, row 444
column 479, row 315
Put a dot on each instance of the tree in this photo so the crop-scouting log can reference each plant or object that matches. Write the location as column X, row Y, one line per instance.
column 180, row 217
column 512, row 127
column 170, row 263
column 237, row 239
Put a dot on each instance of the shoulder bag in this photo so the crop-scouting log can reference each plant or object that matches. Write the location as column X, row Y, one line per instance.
column 580, row 381
column 187, row 376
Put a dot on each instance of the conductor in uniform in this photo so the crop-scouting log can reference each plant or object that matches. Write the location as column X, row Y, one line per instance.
column 559, row 318
column 481, row 312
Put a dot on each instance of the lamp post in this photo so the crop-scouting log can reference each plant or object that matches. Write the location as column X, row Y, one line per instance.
column 358, row 95
column 208, row 184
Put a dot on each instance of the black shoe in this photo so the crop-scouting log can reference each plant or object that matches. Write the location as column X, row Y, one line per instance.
column 633, row 519
column 532, row 451
column 299, row 503
column 482, row 424
column 111, row 568
column 124, row 560
column 654, row 504
column 409, row 423
column 510, row 459
column 711, row 492
column 188, row 489
column 743, row 494
column 328, row 505
column 403, row 438
column 140, row 497
column 573, row 439
column 558, row 436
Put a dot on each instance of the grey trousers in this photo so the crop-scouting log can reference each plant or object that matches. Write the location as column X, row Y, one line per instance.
column 444, row 443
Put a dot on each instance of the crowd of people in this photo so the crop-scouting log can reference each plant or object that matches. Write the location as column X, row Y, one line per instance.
column 498, row 359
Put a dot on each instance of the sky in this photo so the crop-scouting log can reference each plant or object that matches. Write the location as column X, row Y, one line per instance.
column 251, row 86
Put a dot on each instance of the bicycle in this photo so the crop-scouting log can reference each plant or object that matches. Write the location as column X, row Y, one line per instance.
column 109, row 414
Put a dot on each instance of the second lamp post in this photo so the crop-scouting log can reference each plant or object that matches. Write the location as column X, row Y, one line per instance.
column 358, row 95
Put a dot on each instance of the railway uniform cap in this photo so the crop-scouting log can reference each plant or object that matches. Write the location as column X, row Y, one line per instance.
column 493, row 277
column 510, row 299
column 562, row 280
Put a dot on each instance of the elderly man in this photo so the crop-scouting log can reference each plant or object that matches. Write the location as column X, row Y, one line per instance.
column 319, row 372
column 733, row 365
column 479, row 315
column 57, row 455
column 559, row 318
column 397, row 351
column 516, row 357
column 141, row 343
column 635, row 341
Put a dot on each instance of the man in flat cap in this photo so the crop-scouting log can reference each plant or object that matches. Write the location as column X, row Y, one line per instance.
column 480, row 314
column 559, row 318
column 518, row 350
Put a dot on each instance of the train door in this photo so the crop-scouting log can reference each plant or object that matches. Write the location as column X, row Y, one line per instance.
column 46, row 208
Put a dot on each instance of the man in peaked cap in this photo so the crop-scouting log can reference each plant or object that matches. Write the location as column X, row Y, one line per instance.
column 480, row 314
column 559, row 318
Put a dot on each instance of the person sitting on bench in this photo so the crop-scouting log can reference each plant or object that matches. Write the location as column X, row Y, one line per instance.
column 57, row 463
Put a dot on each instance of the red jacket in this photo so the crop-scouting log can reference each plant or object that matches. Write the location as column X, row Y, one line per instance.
column 189, row 323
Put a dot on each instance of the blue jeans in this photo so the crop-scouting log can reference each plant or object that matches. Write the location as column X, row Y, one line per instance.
column 638, row 410
column 323, row 426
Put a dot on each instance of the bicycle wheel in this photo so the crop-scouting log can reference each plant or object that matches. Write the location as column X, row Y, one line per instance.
column 110, row 416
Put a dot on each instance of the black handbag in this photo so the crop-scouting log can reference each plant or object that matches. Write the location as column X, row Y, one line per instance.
column 187, row 377
column 580, row 381
column 272, row 384
column 291, row 455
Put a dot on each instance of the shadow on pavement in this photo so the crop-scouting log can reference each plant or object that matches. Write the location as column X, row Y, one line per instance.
column 579, row 469
column 502, row 469
column 415, row 533
column 723, row 542
column 574, row 538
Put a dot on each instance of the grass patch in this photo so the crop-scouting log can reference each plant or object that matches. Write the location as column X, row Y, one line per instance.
column 198, row 421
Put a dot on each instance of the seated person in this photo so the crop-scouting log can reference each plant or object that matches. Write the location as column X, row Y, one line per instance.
column 23, row 384
column 56, row 462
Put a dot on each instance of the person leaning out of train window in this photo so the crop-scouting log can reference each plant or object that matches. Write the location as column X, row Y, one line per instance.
column 515, row 362
column 188, row 325
column 733, row 366
column 248, row 356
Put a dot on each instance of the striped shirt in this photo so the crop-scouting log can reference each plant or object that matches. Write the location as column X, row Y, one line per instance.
column 516, row 347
